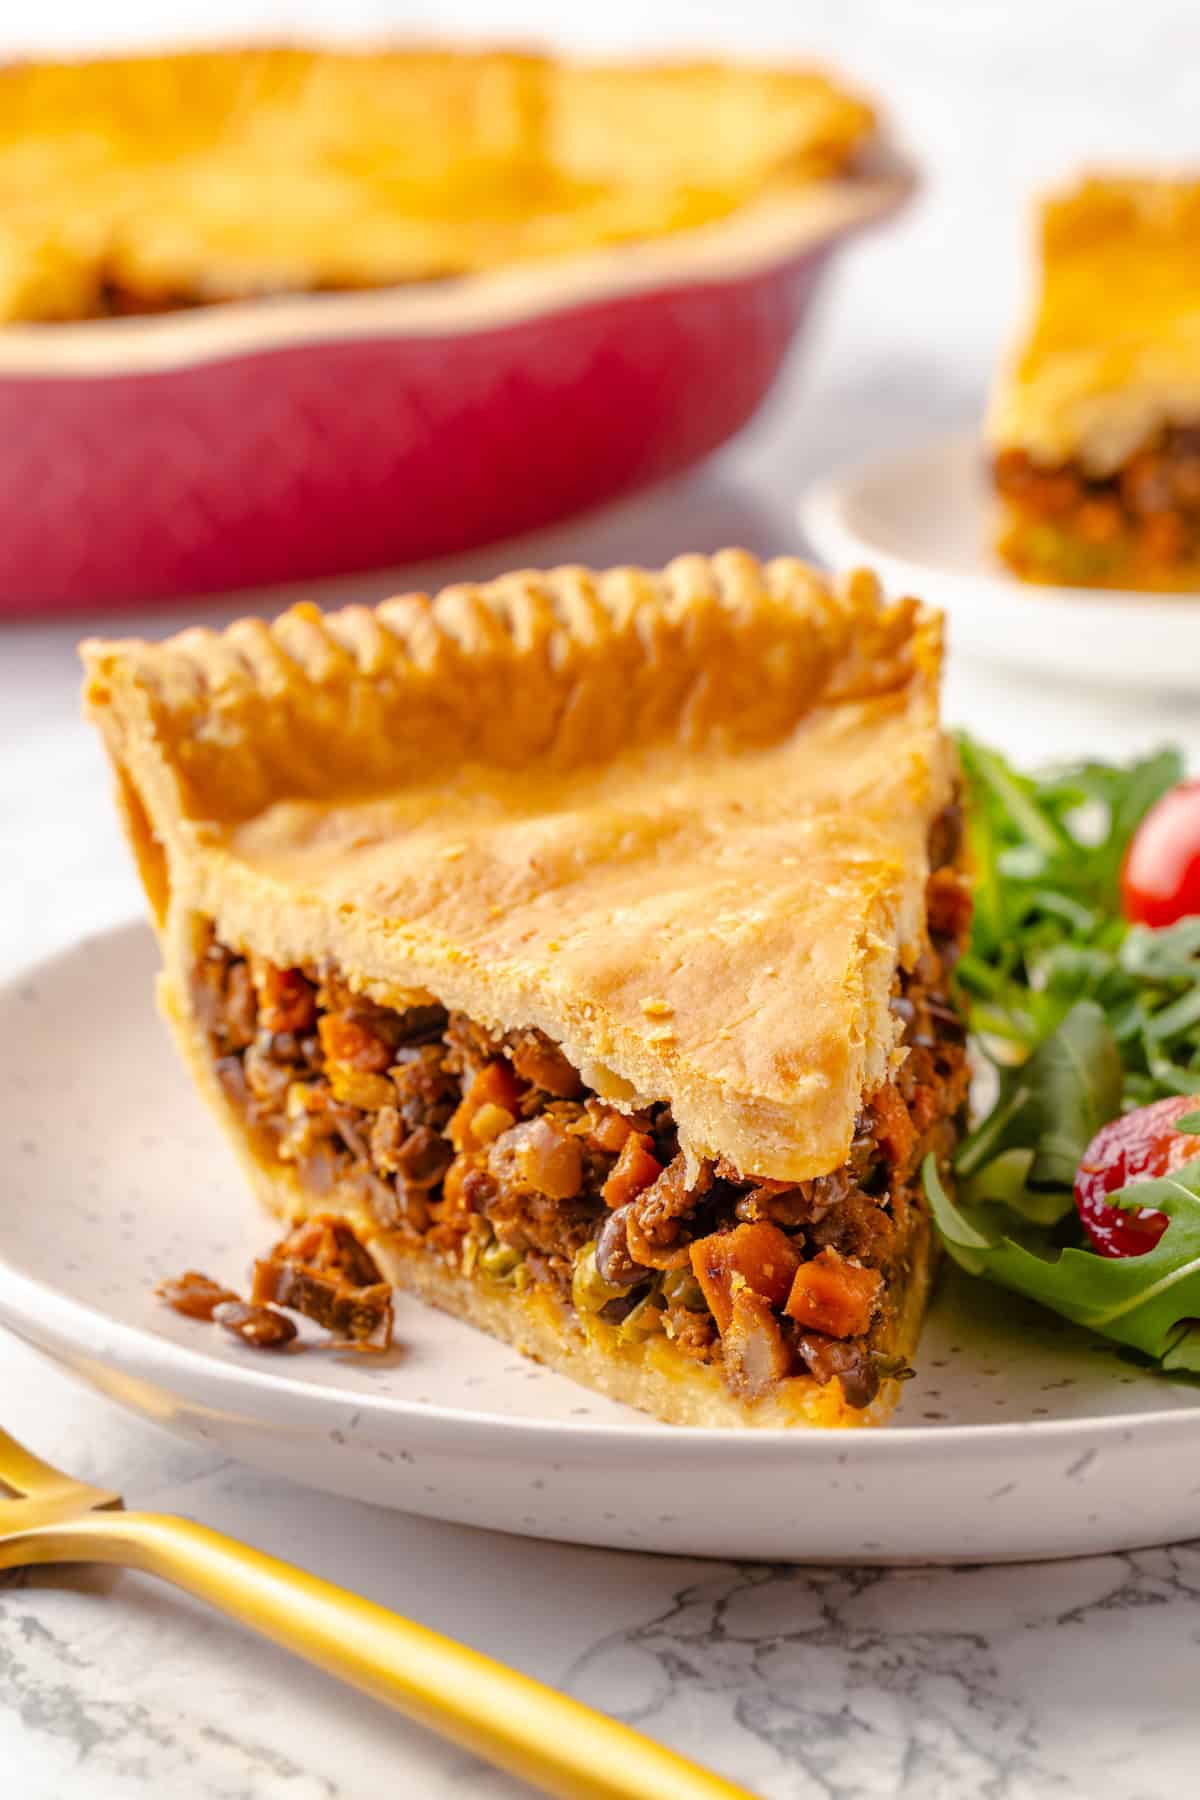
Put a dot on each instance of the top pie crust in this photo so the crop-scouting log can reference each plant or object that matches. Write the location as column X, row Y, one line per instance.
column 678, row 821
column 1114, row 351
column 213, row 174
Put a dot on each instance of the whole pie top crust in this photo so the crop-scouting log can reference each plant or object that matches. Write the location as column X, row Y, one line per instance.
column 1113, row 354
column 678, row 821
column 167, row 180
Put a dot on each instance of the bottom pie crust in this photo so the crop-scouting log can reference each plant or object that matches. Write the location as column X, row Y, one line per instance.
column 654, row 1376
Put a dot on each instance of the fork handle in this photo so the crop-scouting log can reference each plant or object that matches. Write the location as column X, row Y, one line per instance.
column 558, row 1745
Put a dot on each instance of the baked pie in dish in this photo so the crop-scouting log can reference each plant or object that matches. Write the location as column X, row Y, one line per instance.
column 472, row 247
column 542, row 285
column 582, row 942
column 1095, row 429
column 147, row 183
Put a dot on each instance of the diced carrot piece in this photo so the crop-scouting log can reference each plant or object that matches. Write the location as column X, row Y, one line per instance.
column 1053, row 494
column 834, row 1296
column 1011, row 471
column 634, row 1170
column 610, row 1129
column 764, row 1257
column 539, row 1061
column 344, row 1040
column 1161, row 538
column 1099, row 521
column 495, row 1086
column 1185, row 481
column 948, row 904
column 287, row 1002
column 895, row 1133
column 454, row 1195
column 756, row 1356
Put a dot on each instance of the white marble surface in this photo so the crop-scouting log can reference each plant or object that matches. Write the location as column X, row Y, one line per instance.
column 1073, row 1680
column 806, row 1684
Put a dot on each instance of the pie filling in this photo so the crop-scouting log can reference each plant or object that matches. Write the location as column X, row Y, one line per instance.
column 487, row 1151
column 1139, row 526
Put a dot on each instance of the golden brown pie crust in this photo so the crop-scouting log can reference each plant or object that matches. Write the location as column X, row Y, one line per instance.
column 149, row 182
column 677, row 821
column 1113, row 352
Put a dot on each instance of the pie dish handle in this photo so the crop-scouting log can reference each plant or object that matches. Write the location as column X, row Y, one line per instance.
column 558, row 1745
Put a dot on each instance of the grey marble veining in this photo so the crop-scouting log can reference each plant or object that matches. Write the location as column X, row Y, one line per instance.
column 924, row 1682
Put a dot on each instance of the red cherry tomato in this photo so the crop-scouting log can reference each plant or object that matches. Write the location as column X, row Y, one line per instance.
column 1160, row 881
column 1137, row 1147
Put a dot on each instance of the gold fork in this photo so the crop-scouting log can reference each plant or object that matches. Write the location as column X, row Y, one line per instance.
column 556, row 1744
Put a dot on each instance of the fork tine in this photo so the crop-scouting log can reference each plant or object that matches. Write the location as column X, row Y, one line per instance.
column 27, row 1476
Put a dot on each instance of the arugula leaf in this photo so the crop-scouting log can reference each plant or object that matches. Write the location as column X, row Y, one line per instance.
column 1048, row 928
column 1005, row 1181
column 1048, row 854
column 1148, row 1301
column 1054, row 1103
column 1183, row 1358
column 1083, row 1016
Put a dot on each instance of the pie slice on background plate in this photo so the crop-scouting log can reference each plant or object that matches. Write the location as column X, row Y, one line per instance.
column 581, row 941
column 1095, row 427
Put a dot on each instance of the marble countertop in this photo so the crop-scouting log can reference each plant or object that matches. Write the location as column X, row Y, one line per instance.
column 1014, row 1683
column 1073, row 1680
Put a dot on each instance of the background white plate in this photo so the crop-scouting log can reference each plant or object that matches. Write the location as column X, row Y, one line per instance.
column 921, row 521
column 1019, row 1438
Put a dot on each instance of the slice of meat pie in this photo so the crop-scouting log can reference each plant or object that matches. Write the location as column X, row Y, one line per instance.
column 1095, row 426
column 582, row 942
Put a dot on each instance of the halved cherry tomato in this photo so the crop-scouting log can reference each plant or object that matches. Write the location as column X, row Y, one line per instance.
column 1139, row 1146
column 1160, row 881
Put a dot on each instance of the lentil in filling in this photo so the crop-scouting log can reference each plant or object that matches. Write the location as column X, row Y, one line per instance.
column 487, row 1150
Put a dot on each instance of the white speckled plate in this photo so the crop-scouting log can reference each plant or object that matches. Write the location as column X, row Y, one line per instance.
column 1019, row 1438
column 920, row 519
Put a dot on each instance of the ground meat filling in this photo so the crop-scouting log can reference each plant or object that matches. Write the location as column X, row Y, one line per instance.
column 1144, row 520
column 487, row 1150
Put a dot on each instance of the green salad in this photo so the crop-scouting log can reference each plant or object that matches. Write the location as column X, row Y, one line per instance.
column 1077, row 1016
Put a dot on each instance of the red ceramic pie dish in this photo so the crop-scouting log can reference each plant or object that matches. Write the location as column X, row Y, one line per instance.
column 282, row 440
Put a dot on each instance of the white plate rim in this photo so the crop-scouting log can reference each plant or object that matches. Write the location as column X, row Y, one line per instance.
column 36, row 1311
